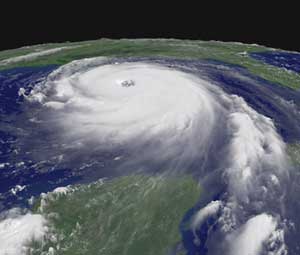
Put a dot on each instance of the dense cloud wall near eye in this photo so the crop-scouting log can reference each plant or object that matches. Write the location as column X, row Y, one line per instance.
column 164, row 115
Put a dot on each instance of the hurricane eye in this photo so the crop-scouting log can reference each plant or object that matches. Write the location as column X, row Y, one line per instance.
column 127, row 83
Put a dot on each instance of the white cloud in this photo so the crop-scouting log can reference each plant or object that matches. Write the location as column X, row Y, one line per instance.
column 255, row 150
column 162, row 102
column 252, row 236
column 17, row 230
column 209, row 210
column 61, row 190
column 17, row 189
column 34, row 55
column 277, row 244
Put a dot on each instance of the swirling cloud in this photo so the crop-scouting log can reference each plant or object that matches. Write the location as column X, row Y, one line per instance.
column 175, row 117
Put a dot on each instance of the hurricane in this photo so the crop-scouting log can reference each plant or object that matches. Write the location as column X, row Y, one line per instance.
column 110, row 117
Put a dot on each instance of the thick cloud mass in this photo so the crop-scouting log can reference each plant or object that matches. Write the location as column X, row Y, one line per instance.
column 18, row 230
column 96, row 102
column 253, row 234
column 163, row 116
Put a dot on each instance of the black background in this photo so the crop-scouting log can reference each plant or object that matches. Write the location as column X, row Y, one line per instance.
column 249, row 22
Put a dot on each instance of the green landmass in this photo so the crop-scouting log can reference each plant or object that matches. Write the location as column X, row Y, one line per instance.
column 128, row 215
column 233, row 53
column 294, row 153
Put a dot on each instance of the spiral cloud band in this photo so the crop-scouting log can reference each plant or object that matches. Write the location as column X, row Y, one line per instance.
column 162, row 114
column 97, row 102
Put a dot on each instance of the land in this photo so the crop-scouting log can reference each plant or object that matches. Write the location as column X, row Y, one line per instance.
column 294, row 153
column 135, row 214
column 232, row 53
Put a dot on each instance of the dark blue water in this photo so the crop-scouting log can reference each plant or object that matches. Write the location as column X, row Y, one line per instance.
column 281, row 104
column 210, row 224
column 21, row 171
column 287, row 60
column 14, row 79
